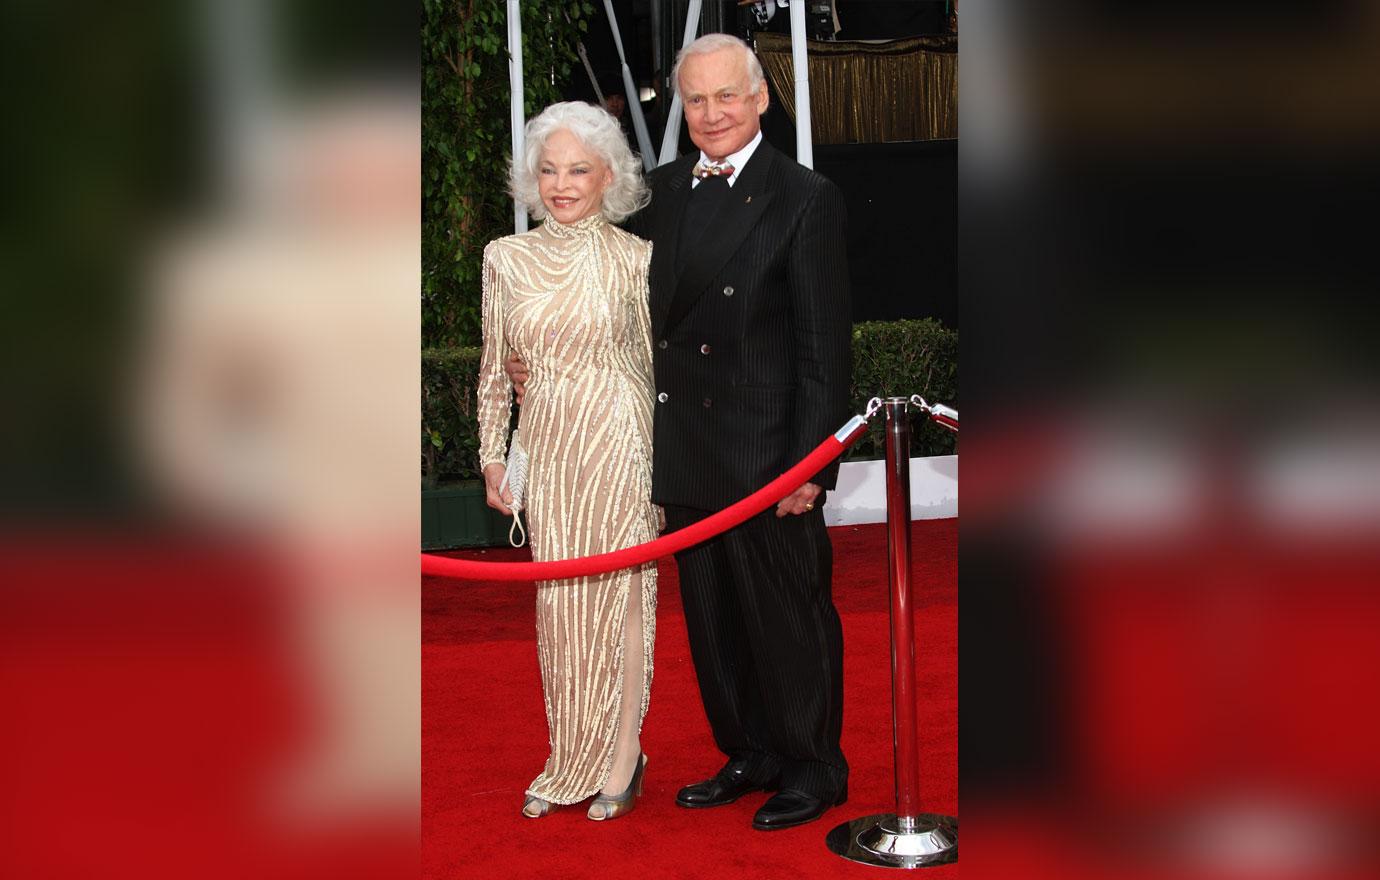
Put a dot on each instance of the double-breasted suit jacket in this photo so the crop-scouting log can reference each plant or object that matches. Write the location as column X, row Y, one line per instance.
column 752, row 339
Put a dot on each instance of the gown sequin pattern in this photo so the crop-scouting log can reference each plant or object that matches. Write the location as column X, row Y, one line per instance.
column 571, row 300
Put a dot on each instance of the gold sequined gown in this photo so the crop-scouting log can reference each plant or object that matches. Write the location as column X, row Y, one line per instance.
column 571, row 300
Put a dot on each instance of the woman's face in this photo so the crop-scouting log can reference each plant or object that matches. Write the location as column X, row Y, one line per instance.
column 571, row 178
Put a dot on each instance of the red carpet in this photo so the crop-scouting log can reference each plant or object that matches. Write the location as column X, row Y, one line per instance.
column 484, row 732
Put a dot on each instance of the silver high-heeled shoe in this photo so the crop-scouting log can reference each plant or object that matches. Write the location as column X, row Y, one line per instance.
column 611, row 806
column 534, row 807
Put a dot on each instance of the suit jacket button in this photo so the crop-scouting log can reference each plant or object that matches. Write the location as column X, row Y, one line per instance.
column 708, row 403
column 704, row 349
column 661, row 344
column 728, row 291
column 662, row 397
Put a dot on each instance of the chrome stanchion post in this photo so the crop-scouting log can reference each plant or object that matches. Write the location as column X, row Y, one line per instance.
column 904, row 747
column 906, row 838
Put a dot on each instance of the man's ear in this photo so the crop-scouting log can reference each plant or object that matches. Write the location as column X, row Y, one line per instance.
column 763, row 99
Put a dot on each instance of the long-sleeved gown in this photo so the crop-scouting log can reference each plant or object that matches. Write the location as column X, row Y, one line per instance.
column 571, row 300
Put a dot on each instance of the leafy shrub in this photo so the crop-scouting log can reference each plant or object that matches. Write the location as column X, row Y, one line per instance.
column 450, row 434
column 898, row 359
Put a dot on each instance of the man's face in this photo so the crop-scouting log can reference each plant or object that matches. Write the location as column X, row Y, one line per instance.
column 720, row 113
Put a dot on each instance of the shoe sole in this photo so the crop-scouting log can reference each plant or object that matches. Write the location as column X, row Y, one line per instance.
column 843, row 800
column 791, row 825
column 681, row 803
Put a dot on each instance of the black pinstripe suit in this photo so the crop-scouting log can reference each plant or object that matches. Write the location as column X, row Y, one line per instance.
column 752, row 360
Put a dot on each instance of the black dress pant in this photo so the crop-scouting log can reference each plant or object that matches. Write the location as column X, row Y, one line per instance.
column 768, row 646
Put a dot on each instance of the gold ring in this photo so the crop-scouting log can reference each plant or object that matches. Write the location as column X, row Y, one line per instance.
column 809, row 505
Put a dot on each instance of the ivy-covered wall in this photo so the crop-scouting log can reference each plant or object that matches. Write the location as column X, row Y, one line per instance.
column 466, row 140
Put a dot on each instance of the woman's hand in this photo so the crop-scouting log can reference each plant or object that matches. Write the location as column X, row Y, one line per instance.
column 517, row 374
column 500, row 500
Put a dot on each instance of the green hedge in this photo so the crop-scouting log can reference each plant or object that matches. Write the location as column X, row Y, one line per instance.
column 889, row 358
column 450, row 441
column 901, row 358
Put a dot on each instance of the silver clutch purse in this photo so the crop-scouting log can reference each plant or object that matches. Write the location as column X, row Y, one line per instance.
column 515, row 479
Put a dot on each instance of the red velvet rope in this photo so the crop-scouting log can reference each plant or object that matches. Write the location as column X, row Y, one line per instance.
column 667, row 544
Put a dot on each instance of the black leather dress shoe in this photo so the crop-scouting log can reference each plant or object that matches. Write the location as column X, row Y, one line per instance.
column 725, row 787
column 790, row 807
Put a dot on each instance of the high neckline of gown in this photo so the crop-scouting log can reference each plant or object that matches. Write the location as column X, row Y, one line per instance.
column 579, row 229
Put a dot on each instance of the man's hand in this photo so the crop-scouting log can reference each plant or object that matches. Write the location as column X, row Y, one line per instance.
column 517, row 374
column 493, row 478
column 800, row 501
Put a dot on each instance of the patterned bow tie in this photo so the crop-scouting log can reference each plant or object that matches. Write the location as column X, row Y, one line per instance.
column 703, row 171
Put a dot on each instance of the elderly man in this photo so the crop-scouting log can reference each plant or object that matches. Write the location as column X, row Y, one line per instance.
column 751, row 327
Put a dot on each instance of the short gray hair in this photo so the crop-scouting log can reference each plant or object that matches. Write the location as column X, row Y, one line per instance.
column 711, row 43
column 600, row 133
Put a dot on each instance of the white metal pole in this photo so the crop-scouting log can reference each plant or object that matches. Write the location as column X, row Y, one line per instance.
column 589, row 71
column 670, row 138
column 515, row 83
column 644, row 142
column 804, row 146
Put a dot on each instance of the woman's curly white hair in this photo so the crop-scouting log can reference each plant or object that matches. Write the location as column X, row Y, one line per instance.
column 600, row 133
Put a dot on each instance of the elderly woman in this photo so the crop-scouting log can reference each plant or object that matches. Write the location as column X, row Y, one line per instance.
column 570, row 297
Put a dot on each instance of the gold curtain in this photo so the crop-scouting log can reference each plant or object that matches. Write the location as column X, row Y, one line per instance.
column 871, row 92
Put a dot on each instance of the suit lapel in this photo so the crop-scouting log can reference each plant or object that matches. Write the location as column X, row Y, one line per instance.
column 747, row 200
column 665, row 233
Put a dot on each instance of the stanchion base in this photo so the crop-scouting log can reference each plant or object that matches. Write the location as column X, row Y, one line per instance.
column 888, row 841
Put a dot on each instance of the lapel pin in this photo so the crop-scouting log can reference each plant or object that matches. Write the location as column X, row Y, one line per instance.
column 749, row 201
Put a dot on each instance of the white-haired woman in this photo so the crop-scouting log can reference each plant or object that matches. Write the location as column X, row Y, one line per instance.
column 570, row 297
